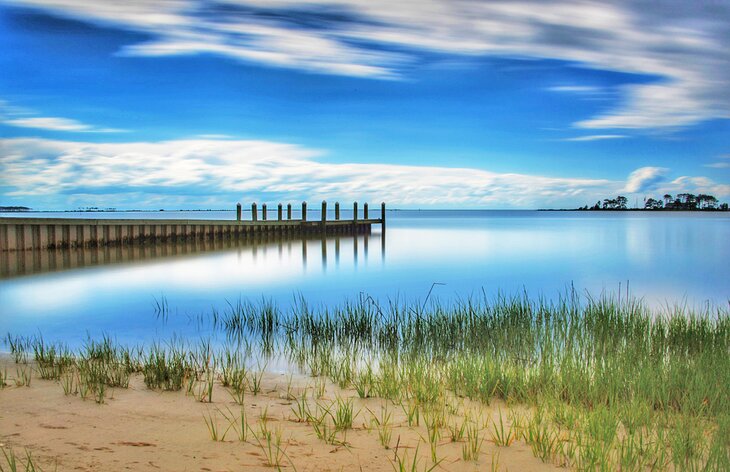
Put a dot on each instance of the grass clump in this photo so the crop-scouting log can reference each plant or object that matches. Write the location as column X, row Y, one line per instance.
column 165, row 369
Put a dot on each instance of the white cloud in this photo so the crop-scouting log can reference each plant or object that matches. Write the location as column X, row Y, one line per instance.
column 581, row 89
column 645, row 179
column 697, row 185
column 596, row 137
column 719, row 165
column 53, row 124
column 682, row 44
column 213, row 170
column 18, row 117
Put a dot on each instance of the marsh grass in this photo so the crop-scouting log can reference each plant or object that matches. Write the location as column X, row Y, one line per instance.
column 406, row 464
column 502, row 436
column 383, row 423
column 211, row 422
column 19, row 347
column 301, row 408
column 473, row 444
column 599, row 382
column 270, row 443
column 10, row 462
column 238, row 422
column 166, row 369
column 23, row 375
column 344, row 413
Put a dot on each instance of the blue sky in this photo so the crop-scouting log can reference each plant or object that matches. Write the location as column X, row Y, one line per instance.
column 434, row 103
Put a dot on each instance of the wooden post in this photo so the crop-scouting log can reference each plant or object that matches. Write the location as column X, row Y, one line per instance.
column 337, row 210
column 354, row 220
column 324, row 211
column 263, row 212
column 304, row 211
column 365, row 211
column 254, row 212
column 382, row 217
column 279, row 212
column 238, row 212
column 288, row 211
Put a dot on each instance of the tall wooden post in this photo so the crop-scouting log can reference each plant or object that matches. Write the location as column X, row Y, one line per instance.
column 324, row 218
column 337, row 210
column 279, row 212
column 382, row 217
column 365, row 211
column 288, row 211
column 263, row 212
column 354, row 218
column 238, row 212
column 254, row 212
column 304, row 211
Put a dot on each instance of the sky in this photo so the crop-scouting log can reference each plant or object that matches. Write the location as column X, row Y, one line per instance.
column 187, row 104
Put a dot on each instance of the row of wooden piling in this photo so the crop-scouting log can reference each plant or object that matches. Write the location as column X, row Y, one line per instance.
column 52, row 233
column 280, row 212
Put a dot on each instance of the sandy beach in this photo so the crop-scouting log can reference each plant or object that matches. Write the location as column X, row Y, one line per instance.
column 141, row 429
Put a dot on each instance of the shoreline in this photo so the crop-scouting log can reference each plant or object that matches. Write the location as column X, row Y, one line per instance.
column 141, row 429
column 514, row 383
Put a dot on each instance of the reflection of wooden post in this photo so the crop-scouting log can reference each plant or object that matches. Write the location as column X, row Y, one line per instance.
column 324, row 253
column 365, row 211
column 288, row 211
column 254, row 212
column 354, row 218
column 337, row 210
column 238, row 212
column 337, row 250
column 382, row 217
column 279, row 212
column 263, row 212
column 304, row 211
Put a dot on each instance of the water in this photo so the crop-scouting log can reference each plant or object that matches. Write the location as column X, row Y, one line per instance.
column 666, row 258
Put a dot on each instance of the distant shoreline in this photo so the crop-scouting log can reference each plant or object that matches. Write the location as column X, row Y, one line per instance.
column 657, row 210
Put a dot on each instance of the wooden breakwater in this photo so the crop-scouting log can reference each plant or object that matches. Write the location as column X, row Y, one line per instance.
column 20, row 234
column 310, row 248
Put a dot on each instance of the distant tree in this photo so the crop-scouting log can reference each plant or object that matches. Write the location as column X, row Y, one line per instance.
column 621, row 202
column 706, row 201
column 724, row 207
column 652, row 204
column 667, row 199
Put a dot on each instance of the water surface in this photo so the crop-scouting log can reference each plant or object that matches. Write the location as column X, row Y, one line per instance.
column 665, row 258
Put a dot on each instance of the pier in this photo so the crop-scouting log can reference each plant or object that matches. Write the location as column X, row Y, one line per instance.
column 23, row 234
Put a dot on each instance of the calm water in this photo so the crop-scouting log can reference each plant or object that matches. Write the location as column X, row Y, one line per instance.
column 666, row 258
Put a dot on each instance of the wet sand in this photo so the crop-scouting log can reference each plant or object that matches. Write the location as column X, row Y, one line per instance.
column 140, row 429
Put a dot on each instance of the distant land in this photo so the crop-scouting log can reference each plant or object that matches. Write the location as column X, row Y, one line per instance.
column 681, row 202
column 14, row 208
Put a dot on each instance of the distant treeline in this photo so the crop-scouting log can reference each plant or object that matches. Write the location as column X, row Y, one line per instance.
column 14, row 208
column 682, row 201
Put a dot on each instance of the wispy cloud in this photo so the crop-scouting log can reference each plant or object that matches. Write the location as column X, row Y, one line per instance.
column 596, row 137
column 646, row 179
column 697, row 185
column 681, row 44
column 657, row 180
column 222, row 170
column 719, row 165
column 580, row 89
column 19, row 117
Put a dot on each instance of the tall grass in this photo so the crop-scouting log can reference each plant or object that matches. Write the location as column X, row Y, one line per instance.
column 604, row 383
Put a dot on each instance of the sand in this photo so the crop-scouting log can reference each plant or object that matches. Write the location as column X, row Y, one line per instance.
column 140, row 429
